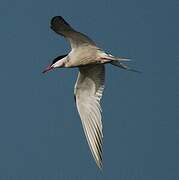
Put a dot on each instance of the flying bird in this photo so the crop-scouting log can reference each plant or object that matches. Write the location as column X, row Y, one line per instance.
column 88, row 90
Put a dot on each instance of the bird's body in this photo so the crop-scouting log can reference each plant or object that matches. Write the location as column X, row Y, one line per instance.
column 89, row 86
column 82, row 56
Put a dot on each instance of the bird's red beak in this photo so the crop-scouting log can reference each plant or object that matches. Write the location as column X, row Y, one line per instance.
column 48, row 69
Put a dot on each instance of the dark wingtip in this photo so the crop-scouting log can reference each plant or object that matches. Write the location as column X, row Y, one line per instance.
column 58, row 19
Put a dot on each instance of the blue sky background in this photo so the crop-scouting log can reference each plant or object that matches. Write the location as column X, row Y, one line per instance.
column 41, row 137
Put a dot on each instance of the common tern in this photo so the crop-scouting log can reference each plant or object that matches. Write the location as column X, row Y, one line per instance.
column 88, row 90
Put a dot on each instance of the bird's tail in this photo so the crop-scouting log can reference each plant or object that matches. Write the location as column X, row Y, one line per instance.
column 123, row 66
column 117, row 61
column 109, row 57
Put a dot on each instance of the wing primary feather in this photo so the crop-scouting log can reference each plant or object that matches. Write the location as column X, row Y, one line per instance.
column 60, row 26
column 88, row 91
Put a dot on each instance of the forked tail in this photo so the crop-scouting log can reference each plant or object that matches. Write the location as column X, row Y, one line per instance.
column 123, row 66
column 116, row 61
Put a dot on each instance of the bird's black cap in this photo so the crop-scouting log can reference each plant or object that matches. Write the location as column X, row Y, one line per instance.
column 58, row 58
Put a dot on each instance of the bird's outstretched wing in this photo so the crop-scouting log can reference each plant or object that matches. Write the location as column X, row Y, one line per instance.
column 88, row 91
column 60, row 26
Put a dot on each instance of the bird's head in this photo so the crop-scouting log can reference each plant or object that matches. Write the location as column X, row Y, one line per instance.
column 58, row 62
